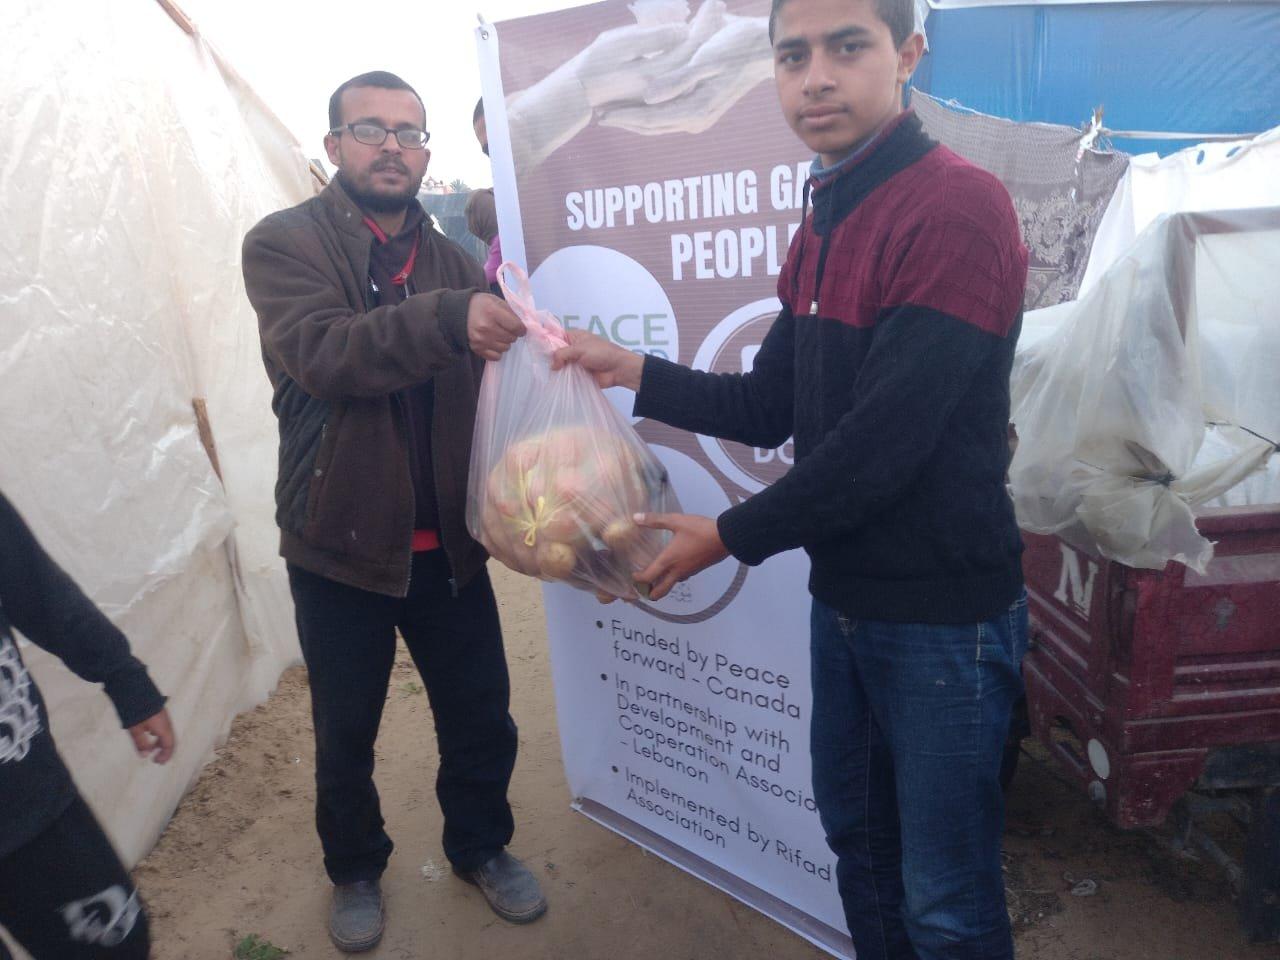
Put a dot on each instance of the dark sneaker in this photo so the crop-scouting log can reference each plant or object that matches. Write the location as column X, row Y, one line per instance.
column 356, row 918
column 512, row 891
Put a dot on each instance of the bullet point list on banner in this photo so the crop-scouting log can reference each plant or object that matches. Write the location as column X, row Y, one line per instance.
column 738, row 681
column 703, row 719
column 714, row 825
column 697, row 741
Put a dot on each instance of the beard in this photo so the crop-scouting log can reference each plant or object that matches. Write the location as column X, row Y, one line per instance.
column 374, row 201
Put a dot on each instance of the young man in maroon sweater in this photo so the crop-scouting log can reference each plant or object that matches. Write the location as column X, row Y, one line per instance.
column 889, row 364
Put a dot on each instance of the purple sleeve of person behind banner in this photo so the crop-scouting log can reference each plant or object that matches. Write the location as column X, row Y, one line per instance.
column 495, row 260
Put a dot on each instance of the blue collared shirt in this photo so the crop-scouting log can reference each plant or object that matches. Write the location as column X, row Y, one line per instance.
column 822, row 174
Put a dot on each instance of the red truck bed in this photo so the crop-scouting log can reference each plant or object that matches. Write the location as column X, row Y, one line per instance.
column 1145, row 683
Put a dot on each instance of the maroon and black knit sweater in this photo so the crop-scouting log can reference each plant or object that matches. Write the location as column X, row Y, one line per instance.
column 889, row 364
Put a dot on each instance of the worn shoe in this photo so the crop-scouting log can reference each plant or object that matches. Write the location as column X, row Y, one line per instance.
column 512, row 891
column 356, row 918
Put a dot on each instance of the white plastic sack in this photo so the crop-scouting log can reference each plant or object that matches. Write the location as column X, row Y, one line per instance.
column 1234, row 175
column 1109, row 404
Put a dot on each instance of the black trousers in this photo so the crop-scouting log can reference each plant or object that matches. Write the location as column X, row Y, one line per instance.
column 348, row 642
column 66, row 895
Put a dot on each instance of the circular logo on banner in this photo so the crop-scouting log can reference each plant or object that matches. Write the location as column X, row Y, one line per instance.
column 731, row 347
column 609, row 294
column 705, row 594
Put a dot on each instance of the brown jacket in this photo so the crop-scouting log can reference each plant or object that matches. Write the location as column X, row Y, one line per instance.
column 344, row 497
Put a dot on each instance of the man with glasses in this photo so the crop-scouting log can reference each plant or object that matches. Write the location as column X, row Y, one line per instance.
column 374, row 332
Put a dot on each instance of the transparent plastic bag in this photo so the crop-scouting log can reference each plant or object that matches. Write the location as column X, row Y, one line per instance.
column 556, row 472
column 1111, row 405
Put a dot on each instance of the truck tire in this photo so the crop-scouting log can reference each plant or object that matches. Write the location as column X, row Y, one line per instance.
column 1009, row 761
column 1260, row 899
column 1019, row 727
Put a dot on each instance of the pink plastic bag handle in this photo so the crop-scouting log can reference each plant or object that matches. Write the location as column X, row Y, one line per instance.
column 541, row 324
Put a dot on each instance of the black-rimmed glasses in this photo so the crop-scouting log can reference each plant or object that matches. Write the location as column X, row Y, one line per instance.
column 373, row 135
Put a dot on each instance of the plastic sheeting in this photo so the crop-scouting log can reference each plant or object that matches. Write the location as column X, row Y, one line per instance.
column 1260, row 488
column 1111, row 394
column 1209, row 176
column 133, row 163
column 1202, row 67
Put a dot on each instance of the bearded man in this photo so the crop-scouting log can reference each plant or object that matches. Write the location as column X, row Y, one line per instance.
column 374, row 332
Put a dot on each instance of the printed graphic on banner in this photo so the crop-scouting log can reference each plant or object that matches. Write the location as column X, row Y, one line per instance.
column 731, row 347
column 605, row 292
column 644, row 172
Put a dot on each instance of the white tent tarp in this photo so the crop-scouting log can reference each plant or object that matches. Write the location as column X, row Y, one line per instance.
column 1111, row 393
column 1226, row 175
column 132, row 164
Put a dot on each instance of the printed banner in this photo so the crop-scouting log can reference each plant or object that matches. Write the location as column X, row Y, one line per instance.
column 648, row 183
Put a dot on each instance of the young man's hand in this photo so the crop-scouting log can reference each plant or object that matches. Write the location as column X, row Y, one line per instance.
column 695, row 546
column 492, row 327
column 610, row 364
column 154, row 738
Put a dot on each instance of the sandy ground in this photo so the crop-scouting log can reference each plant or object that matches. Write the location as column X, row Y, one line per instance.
column 240, row 857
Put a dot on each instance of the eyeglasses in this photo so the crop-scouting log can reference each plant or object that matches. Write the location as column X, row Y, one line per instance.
column 373, row 135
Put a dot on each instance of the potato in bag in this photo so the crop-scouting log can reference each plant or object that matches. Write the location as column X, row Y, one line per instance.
column 557, row 474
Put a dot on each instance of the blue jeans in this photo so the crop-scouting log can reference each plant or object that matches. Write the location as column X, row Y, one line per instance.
column 908, row 725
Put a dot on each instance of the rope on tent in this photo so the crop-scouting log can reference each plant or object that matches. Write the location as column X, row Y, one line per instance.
column 199, row 405
column 181, row 19
column 1174, row 135
column 206, row 432
column 1094, row 130
column 178, row 16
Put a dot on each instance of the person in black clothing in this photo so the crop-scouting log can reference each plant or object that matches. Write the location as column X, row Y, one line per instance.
column 889, row 365
column 484, row 221
column 64, row 894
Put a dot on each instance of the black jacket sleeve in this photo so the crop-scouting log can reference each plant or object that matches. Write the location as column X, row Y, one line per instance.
column 755, row 408
column 53, row 613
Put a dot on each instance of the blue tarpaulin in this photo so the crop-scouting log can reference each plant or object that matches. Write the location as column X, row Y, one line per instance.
column 1206, row 67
